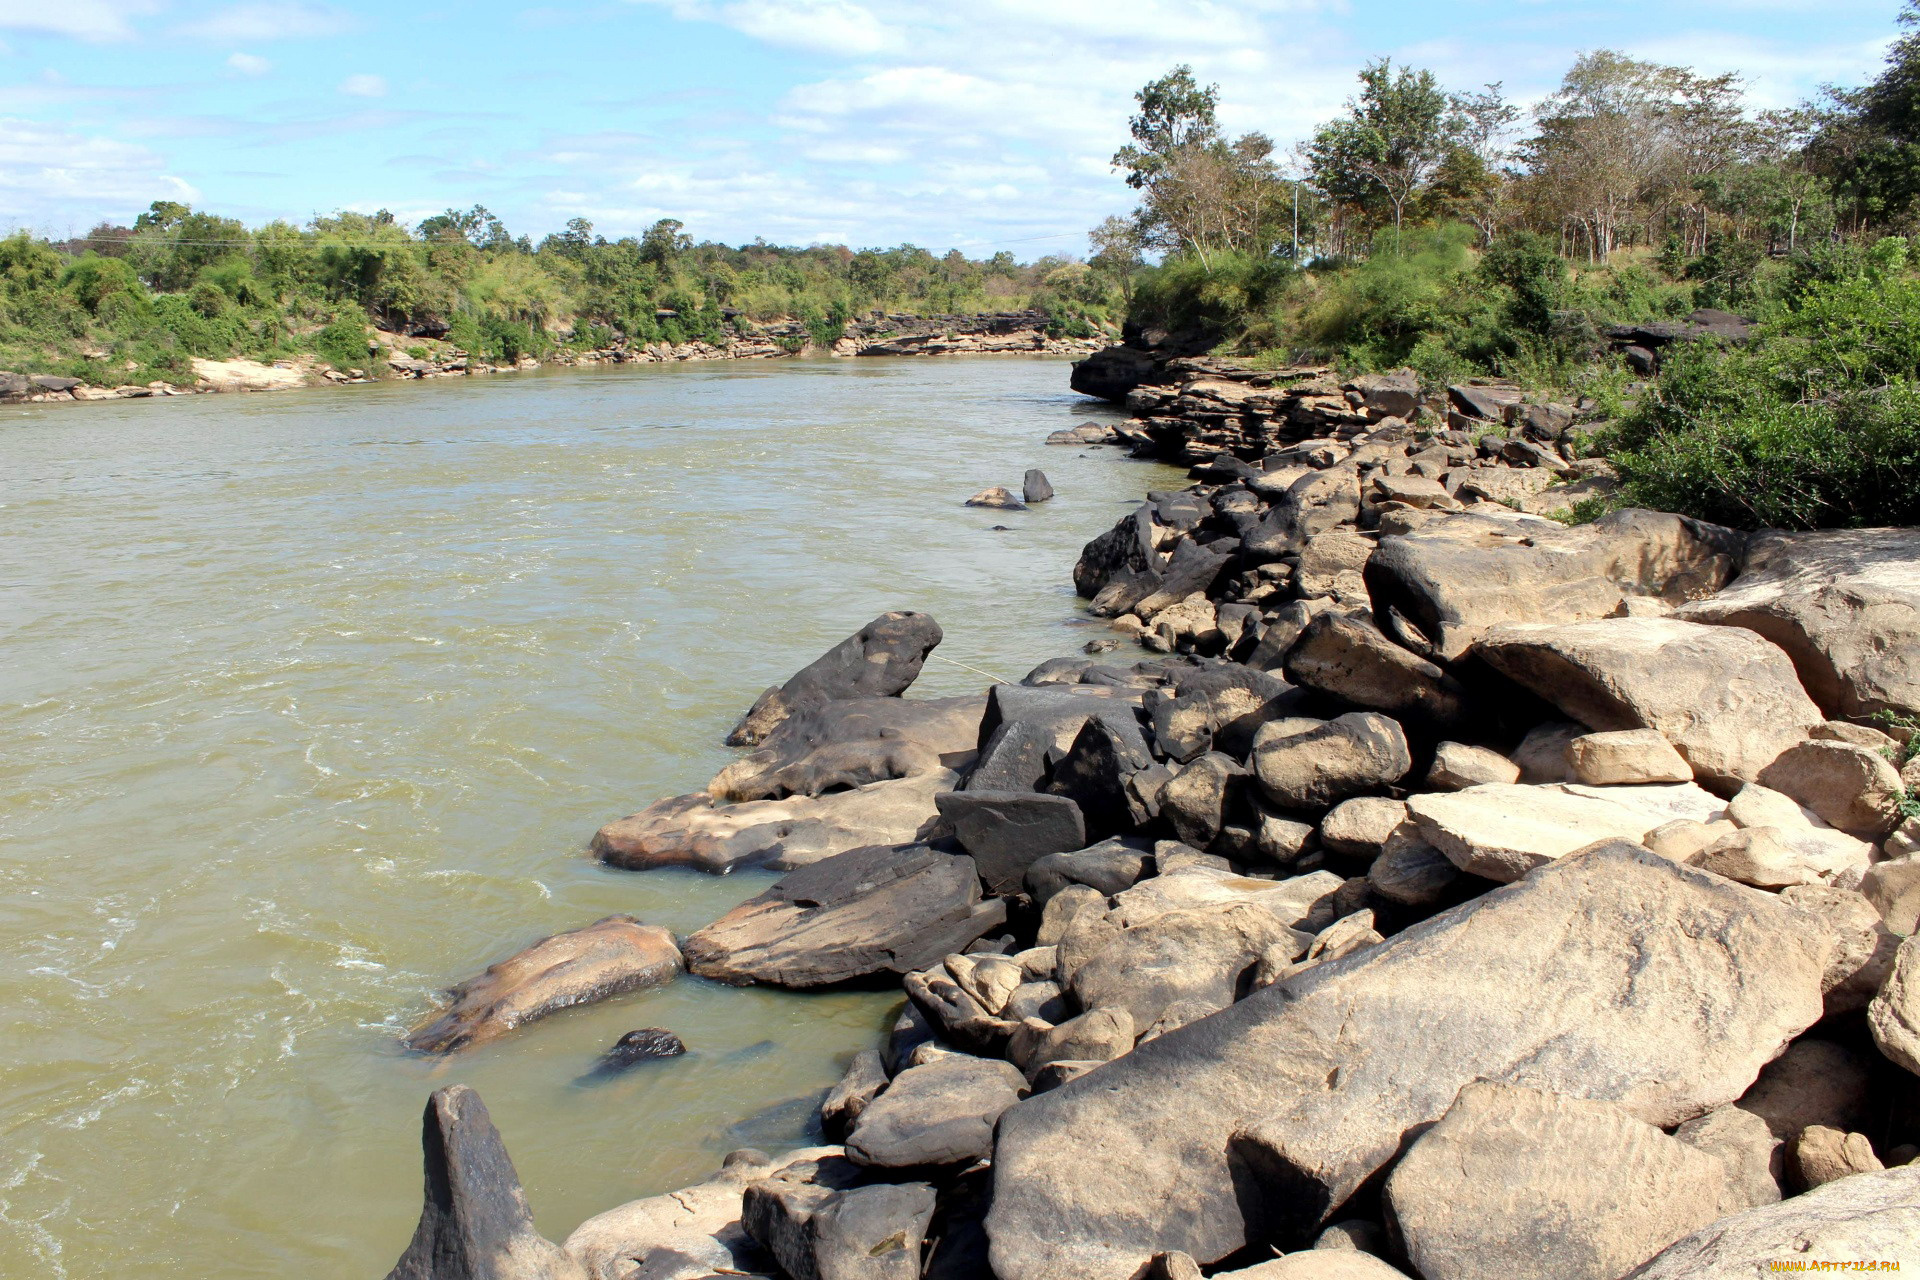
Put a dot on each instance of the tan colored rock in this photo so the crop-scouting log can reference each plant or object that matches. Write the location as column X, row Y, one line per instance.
column 1683, row 838
column 1728, row 701
column 1517, row 1184
column 1894, row 1015
column 1746, row 1150
column 1626, row 756
column 1822, row 1155
column 1872, row 1218
column 1834, row 854
column 684, row 1234
column 579, row 967
column 696, row 831
column 1349, row 755
column 1330, row 565
column 1411, row 871
column 1318, row 1264
column 1295, row 902
column 1457, row 766
column 1894, row 890
column 1863, row 947
column 1182, row 956
column 1850, row 787
column 1813, row 1082
column 1756, row 856
column 1454, row 579
column 1359, row 827
column 1504, row 831
column 1845, row 604
column 1542, row 754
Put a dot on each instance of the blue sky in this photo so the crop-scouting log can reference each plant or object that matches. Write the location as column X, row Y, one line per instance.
column 981, row 124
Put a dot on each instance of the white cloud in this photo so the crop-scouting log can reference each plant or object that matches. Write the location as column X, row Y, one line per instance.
column 264, row 20
column 364, row 86
column 50, row 174
column 824, row 26
column 248, row 64
column 97, row 20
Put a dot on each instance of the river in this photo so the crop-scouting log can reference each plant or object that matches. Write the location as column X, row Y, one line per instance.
column 310, row 701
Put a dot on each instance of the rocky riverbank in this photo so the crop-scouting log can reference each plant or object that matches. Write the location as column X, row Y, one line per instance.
column 401, row 356
column 1453, row 893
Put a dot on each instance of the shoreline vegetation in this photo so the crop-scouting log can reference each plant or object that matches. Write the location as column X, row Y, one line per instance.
column 1504, row 857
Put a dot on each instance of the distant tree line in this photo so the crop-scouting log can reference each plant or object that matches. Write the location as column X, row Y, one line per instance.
column 140, row 301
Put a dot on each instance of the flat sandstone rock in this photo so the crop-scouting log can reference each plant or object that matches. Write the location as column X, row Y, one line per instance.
column 1258, row 1122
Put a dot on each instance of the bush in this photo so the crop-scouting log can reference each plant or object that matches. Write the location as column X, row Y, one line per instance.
column 1816, row 425
column 343, row 344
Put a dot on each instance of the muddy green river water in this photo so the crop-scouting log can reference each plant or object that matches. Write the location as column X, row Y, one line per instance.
column 309, row 703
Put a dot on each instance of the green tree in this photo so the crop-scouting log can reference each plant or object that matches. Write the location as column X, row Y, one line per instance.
column 1392, row 140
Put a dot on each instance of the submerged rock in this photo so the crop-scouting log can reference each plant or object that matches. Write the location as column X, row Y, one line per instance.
column 997, row 496
column 878, row 661
column 635, row 1047
column 579, row 967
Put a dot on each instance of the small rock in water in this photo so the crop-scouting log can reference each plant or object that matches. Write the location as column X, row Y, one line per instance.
column 637, row 1047
column 1034, row 488
column 999, row 528
column 749, row 1053
column 996, row 497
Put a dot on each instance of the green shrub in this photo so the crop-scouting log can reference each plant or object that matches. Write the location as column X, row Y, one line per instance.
column 343, row 344
column 92, row 279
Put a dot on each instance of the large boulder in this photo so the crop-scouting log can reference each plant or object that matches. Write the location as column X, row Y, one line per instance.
column 1851, row 788
column 695, row 831
column 1314, row 767
column 685, row 1234
column 1258, row 1122
column 821, row 1231
column 878, row 661
column 1503, row 830
column 1349, row 658
column 1453, row 579
column 1844, row 604
column 1727, row 700
column 1866, row 1219
column 1516, row 1184
column 475, row 1224
column 1894, row 1014
column 1008, row 831
column 852, row 742
column 1199, row 956
column 578, row 967
column 939, row 1113
column 882, row 909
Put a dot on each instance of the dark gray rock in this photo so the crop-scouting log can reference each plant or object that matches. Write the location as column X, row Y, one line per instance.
column 866, row 1076
column 938, row 1114
column 1008, row 831
column 878, row 661
column 1093, row 774
column 1034, row 488
column 1109, row 866
column 1351, row 659
column 911, row 1029
column 1014, row 758
column 634, row 1048
column 1196, row 801
column 825, row 1233
column 474, row 1224
column 882, row 909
